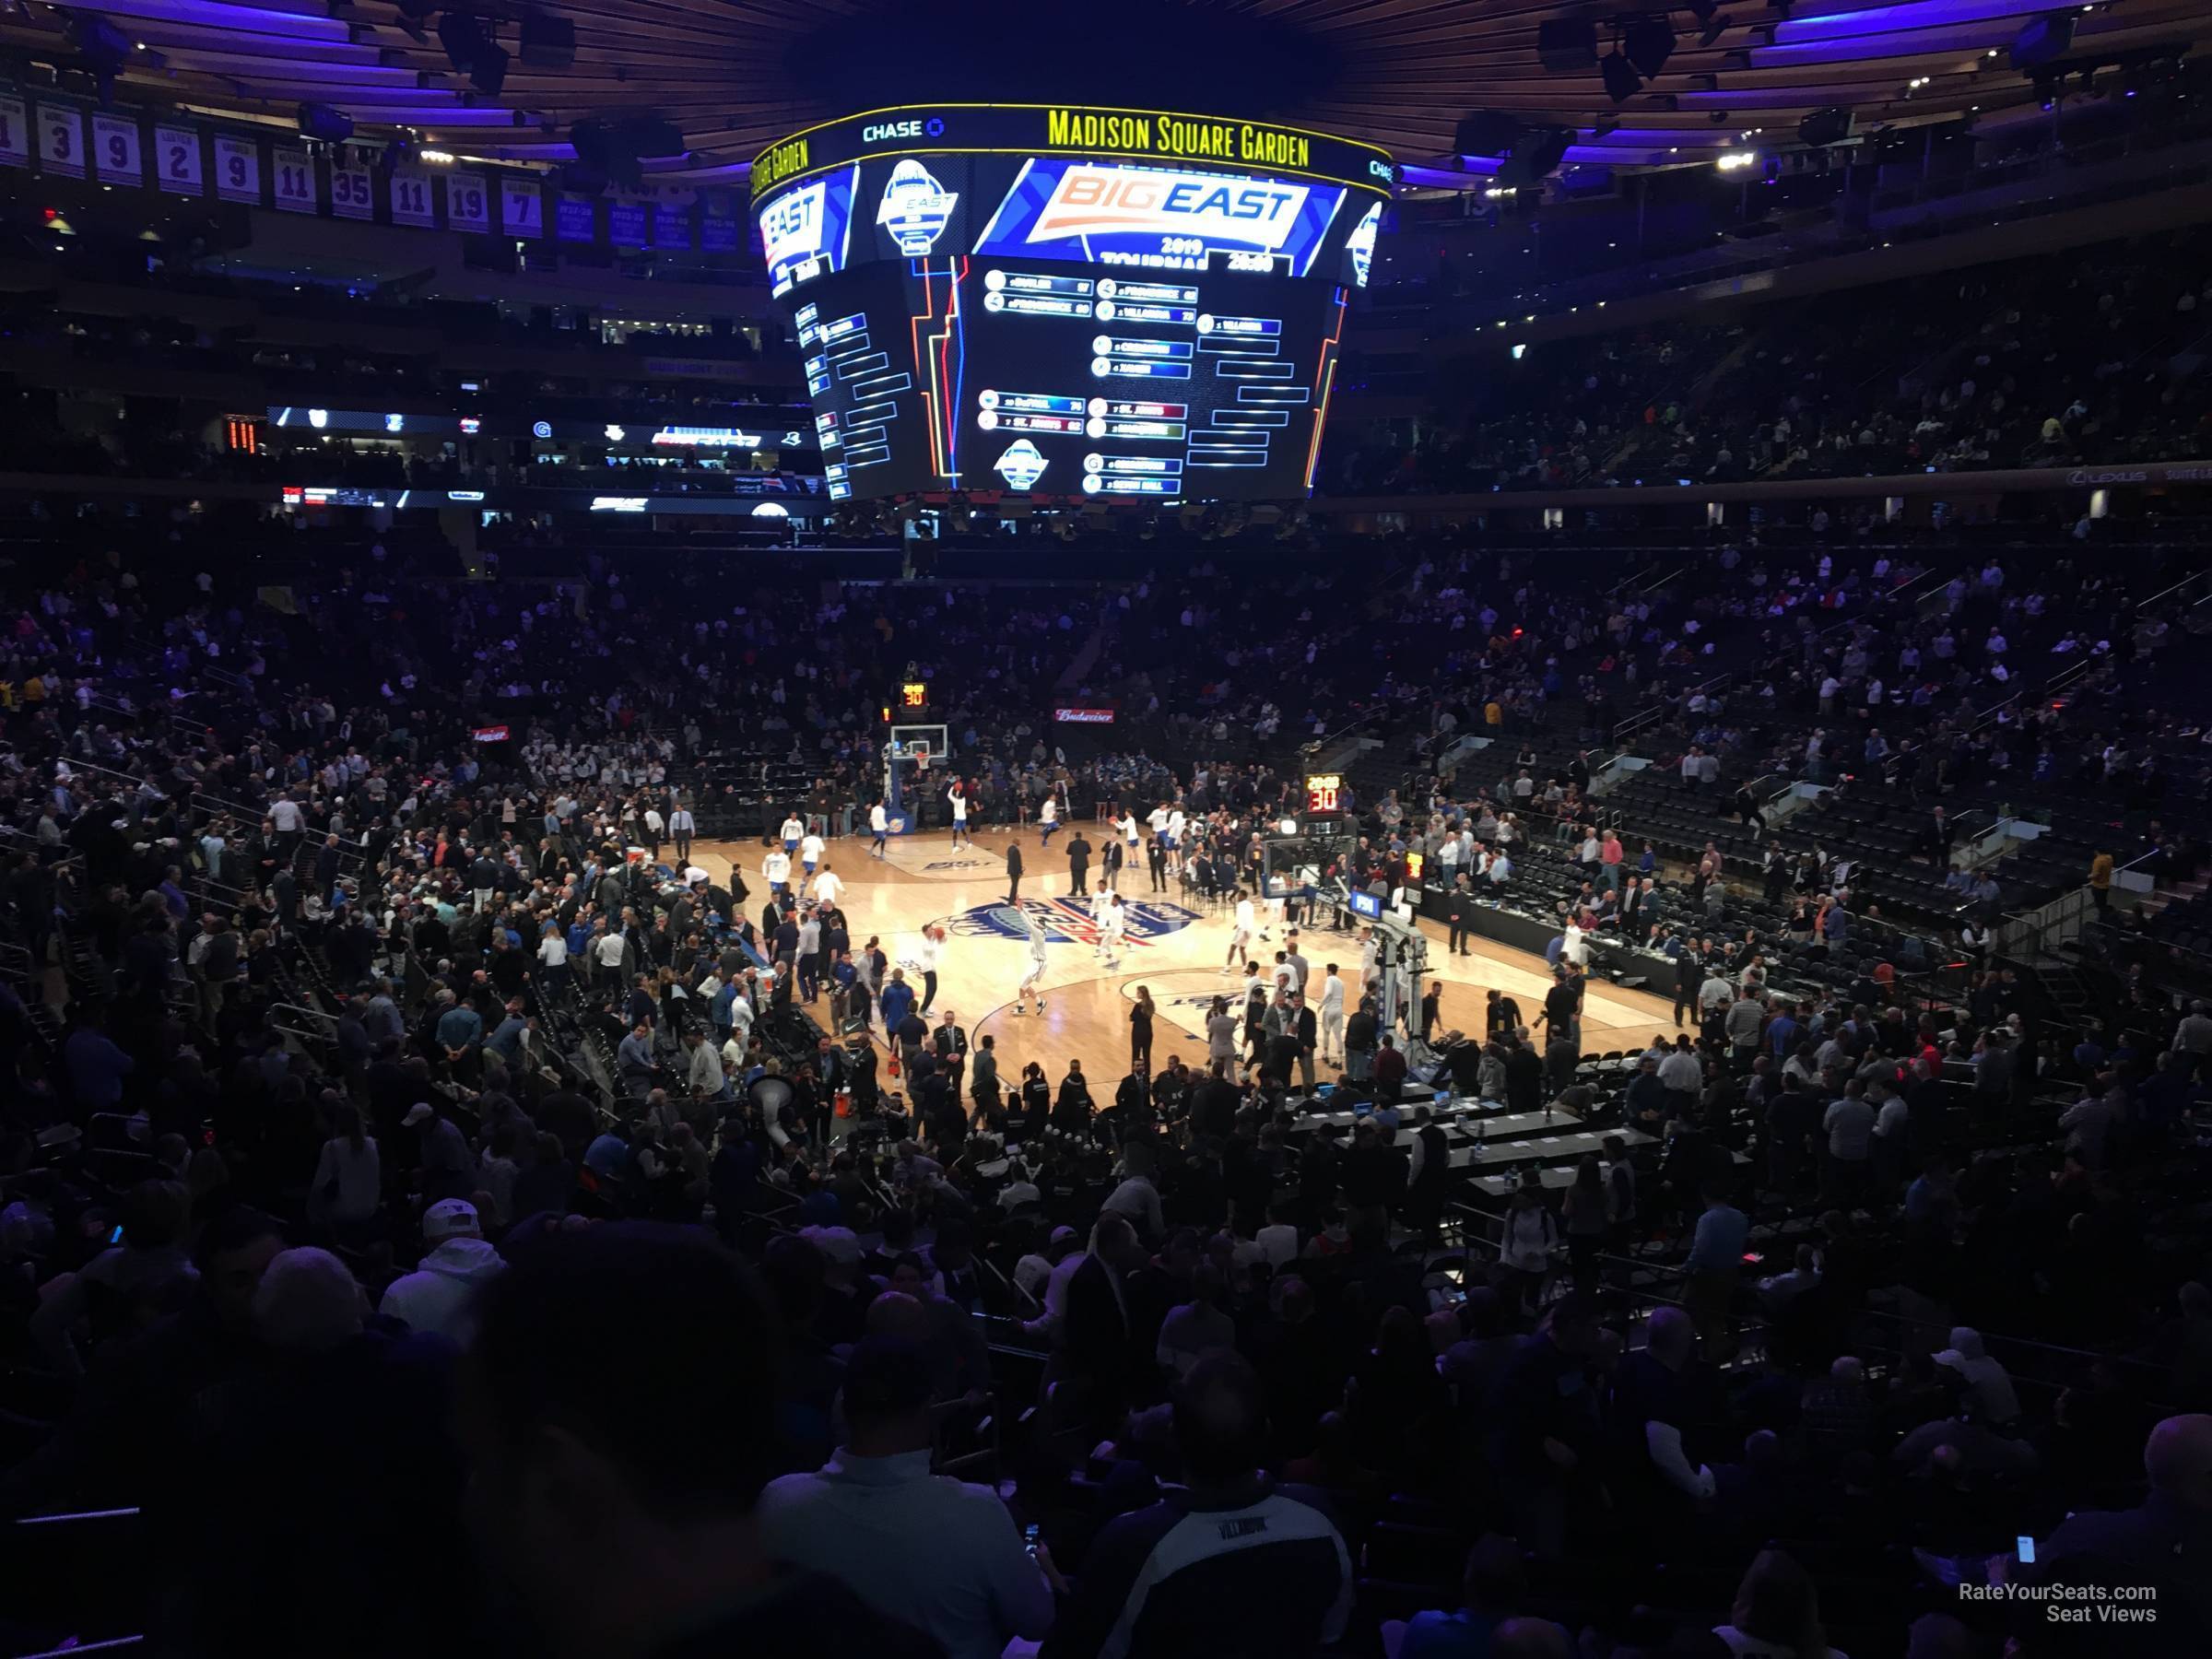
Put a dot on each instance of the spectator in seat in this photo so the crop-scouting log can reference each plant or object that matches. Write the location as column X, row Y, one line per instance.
column 439, row 1296
column 926, row 1550
column 1491, row 1586
column 2150, row 1544
column 1233, row 1563
column 615, row 1535
column 1776, row 1614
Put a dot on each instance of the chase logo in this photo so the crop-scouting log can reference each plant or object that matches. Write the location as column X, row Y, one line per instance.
column 1382, row 170
column 886, row 131
column 1066, row 923
column 1106, row 200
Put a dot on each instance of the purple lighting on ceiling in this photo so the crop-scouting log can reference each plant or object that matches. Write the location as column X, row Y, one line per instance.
column 432, row 115
column 242, row 19
column 1891, row 19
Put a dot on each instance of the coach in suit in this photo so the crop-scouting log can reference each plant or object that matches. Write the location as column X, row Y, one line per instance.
column 1459, row 910
column 1013, row 871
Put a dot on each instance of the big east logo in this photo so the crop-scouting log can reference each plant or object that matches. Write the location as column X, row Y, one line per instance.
column 790, row 226
column 1107, row 201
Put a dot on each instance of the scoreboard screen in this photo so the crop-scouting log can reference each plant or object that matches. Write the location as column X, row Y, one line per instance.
column 1323, row 790
column 1068, row 304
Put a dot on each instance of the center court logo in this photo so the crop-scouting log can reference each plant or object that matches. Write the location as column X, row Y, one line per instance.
column 1065, row 921
column 962, row 864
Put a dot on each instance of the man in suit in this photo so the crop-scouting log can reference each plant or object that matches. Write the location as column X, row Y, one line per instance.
column 1689, row 973
column 949, row 1043
column 1014, row 870
column 326, row 867
column 1459, row 910
column 1079, row 864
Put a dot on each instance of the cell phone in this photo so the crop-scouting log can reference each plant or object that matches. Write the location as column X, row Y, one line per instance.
column 1029, row 1540
column 2023, row 1550
column 115, row 1236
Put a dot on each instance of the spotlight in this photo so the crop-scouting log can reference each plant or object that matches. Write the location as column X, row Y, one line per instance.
column 549, row 43
column 1824, row 127
column 321, row 121
column 2042, row 40
column 1486, row 132
column 1566, row 45
column 1712, row 20
column 1649, row 42
column 102, row 48
column 470, row 47
column 1622, row 82
column 1534, row 156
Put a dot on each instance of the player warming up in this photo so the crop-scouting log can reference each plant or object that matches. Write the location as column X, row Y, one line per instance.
column 1240, row 937
column 957, row 797
column 1034, row 980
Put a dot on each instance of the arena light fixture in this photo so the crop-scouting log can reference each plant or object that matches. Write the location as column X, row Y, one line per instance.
column 1622, row 82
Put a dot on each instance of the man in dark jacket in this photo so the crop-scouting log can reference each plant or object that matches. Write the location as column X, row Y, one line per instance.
column 1014, row 870
column 1689, row 973
column 1360, row 1033
column 1079, row 864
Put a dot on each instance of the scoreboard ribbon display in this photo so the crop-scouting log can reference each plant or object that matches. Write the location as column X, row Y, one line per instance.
column 1068, row 304
column 1058, row 129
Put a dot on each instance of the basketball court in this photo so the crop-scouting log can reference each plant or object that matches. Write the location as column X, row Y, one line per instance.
column 1173, row 950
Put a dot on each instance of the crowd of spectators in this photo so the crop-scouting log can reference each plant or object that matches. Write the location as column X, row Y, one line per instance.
column 377, row 1134
column 2033, row 363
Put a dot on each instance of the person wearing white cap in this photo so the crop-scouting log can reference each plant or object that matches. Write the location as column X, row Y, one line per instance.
column 439, row 1295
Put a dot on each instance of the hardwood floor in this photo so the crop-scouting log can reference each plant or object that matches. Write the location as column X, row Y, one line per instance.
column 1174, row 949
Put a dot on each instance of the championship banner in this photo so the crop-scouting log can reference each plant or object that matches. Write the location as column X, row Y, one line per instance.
column 66, row 138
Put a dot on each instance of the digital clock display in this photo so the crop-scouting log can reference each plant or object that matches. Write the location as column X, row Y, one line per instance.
column 1322, row 791
column 914, row 694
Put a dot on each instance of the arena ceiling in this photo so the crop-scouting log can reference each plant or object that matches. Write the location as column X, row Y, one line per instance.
column 732, row 74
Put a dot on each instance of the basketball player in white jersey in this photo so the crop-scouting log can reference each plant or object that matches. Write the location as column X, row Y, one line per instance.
column 1034, row 979
column 1176, row 823
column 1126, row 827
column 1367, row 960
column 958, row 798
column 879, row 826
column 1332, row 1018
column 1048, row 819
column 810, row 851
column 1114, row 926
column 776, row 867
column 1240, row 937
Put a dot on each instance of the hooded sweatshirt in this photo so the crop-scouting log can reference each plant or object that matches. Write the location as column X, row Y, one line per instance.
column 439, row 1295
